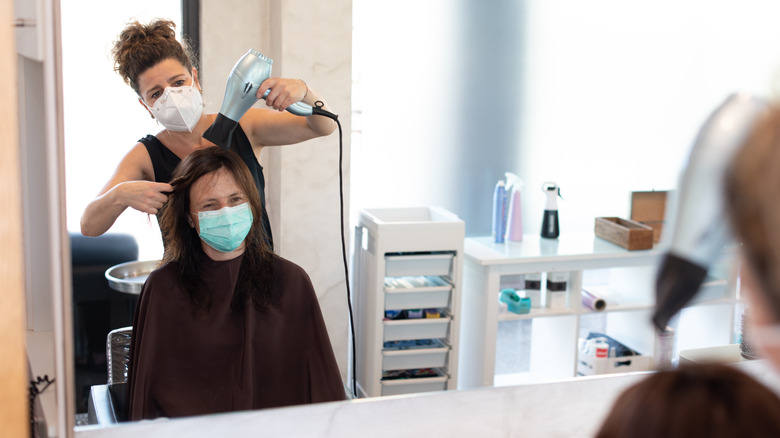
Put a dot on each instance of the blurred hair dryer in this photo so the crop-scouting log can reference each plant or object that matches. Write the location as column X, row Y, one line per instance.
column 697, row 227
column 241, row 93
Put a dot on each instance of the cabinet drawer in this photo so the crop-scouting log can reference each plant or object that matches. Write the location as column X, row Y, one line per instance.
column 426, row 328
column 417, row 293
column 420, row 384
column 401, row 265
column 432, row 354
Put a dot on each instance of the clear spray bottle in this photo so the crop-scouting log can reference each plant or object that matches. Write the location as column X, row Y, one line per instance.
column 550, row 225
column 514, row 220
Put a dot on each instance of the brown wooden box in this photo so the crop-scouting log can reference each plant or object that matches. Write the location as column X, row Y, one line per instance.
column 629, row 234
column 649, row 208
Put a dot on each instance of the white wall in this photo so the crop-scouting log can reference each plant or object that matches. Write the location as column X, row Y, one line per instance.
column 611, row 95
column 616, row 92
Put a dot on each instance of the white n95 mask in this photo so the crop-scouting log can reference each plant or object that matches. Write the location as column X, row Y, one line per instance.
column 179, row 108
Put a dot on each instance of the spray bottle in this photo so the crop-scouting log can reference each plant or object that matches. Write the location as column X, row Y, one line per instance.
column 514, row 220
column 499, row 212
column 550, row 226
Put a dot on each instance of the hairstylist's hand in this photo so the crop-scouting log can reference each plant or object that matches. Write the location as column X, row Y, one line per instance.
column 284, row 92
column 144, row 196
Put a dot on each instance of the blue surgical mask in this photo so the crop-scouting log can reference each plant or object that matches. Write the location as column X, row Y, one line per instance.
column 226, row 228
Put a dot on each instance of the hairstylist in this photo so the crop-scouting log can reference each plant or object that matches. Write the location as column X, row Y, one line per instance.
column 160, row 70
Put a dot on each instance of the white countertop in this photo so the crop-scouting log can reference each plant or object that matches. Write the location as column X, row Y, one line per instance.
column 533, row 248
column 572, row 408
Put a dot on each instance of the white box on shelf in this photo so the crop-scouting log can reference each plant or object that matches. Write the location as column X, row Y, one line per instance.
column 591, row 366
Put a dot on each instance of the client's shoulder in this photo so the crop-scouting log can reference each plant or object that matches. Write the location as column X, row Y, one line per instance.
column 284, row 266
column 163, row 274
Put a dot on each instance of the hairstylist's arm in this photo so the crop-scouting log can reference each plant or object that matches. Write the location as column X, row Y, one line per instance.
column 275, row 128
column 130, row 186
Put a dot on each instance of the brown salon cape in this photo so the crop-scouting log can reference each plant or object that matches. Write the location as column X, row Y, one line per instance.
column 228, row 360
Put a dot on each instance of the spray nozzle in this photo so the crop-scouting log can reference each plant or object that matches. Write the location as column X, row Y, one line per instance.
column 513, row 182
column 550, row 187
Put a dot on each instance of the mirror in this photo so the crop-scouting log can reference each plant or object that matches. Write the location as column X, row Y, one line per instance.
column 556, row 96
column 111, row 137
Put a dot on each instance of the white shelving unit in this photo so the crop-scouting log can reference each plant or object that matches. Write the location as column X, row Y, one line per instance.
column 407, row 261
column 624, row 278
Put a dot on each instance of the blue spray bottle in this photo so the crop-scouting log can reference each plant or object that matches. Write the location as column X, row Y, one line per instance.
column 499, row 212
column 550, row 226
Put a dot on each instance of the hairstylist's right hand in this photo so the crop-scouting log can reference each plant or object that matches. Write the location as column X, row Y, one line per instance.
column 144, row 196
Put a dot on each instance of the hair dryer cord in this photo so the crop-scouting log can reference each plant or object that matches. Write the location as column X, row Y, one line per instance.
column 317, row 109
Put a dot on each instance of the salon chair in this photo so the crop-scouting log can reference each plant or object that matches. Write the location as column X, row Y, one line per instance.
column 97, row 309
column 108, row 403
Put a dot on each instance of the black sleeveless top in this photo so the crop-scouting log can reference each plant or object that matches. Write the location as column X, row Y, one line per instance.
column 164, row 161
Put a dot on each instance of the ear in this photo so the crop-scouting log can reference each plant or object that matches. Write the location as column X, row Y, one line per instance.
column 195, row 79
column 190, row 221
column 141, row 101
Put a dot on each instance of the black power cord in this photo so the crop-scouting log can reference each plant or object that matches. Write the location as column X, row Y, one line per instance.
column 37, row 386
column 317, row 109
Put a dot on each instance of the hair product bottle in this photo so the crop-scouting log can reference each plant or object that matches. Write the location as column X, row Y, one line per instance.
column 557, row 290
column 514, row 220
column 550, row 227
column 499, row 212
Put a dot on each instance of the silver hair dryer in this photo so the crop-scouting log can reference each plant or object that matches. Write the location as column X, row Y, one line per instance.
column 241, row 93
column 696, row 219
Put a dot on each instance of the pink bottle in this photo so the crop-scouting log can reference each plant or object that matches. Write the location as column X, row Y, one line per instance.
column 514, row 219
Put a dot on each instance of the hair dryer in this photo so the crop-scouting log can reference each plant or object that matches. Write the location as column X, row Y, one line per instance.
column 696, row 219
column 241, row 93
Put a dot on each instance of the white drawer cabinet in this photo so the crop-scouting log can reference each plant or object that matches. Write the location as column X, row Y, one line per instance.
column 407, row 283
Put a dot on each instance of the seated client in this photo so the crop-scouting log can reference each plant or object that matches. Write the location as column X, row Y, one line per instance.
column 224, row 324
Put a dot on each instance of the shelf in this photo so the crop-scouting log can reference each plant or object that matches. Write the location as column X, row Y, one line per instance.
column 624, row 279
column 416, row 264
column 419, row 292
column 728, row 354
column 438, row 382
column 410, row 329
column 429, row 353
column 536, row 312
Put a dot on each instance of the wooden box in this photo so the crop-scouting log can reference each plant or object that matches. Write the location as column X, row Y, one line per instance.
column 629, row 234
column 649, row 208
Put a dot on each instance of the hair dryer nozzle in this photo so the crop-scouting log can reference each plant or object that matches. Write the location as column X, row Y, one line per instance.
column 677, row 281
column 220, row 131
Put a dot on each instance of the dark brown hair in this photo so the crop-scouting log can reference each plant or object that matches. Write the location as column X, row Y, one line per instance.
column 142, row 46
column 752, row 190
column 704, row 400
column 183, row 245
